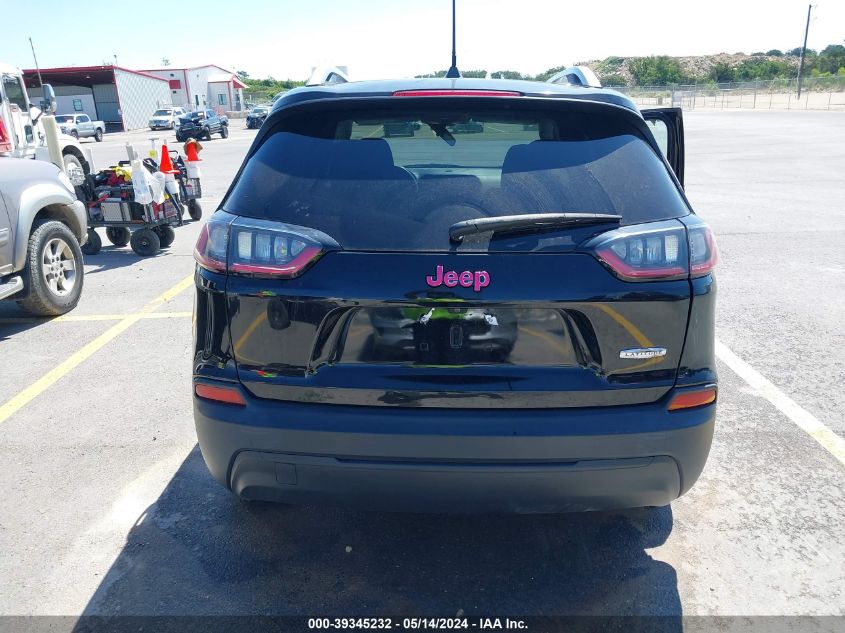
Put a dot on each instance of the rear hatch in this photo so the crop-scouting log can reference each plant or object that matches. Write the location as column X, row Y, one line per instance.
column 344, row 286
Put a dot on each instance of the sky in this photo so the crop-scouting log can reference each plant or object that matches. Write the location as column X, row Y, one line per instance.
column 401, row 38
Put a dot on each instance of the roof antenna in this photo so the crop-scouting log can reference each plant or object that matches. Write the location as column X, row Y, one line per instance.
column 453, row 72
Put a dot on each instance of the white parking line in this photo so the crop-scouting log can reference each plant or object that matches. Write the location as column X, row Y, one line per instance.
column 805, row 420
column 20, row 399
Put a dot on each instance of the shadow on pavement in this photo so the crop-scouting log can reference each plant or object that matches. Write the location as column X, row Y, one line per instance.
column 112, row 257
column 199, row 550
column 13, row 320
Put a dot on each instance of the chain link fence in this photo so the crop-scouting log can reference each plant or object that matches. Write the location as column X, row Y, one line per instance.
column 817, row 93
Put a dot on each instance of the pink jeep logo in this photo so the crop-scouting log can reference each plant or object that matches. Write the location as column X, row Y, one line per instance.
column 476, row 280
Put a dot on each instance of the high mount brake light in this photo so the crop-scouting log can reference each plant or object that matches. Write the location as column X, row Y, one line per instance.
column 457, row 93
column 662, row 251
column 258, row 248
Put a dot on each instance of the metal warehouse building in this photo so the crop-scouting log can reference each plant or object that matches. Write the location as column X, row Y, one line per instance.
column 123, row 98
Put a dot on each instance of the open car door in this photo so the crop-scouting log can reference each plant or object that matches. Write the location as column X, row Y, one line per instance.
column 667, row 126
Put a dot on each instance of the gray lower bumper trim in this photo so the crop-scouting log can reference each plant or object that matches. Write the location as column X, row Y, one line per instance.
column 449, row 487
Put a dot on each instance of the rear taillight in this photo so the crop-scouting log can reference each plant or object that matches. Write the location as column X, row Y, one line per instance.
column 703, row 254
column 657, row 251
column 259, row 248
column 212, row 244
column 636, row 253
column 262, row 248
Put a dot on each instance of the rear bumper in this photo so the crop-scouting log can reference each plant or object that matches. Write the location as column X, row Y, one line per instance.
column 437, row 460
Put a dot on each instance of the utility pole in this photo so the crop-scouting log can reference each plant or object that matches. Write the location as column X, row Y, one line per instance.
column 804, row 51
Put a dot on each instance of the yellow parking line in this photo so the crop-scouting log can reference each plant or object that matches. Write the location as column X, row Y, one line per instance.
column 641, row 339
column 168, row 315
column 62, row 319
column 22, row 398
column 78, row 318
column 86, row 317
column 261, row 318
column 548, row 340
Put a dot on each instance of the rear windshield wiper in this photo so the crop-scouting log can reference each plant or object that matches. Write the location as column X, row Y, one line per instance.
column 527, row 223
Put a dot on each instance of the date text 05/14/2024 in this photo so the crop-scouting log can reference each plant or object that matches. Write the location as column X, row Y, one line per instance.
column 418, row 624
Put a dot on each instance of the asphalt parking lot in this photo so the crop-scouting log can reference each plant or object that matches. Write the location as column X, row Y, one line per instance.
column 108, row 508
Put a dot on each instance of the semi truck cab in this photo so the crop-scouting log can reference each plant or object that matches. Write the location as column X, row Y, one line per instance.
column 22, row 132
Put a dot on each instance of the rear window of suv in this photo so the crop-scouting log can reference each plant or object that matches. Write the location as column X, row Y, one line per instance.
column 398, row 179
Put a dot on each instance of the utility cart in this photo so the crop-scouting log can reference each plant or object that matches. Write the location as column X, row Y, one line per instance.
column 110, row 197
column 111, row 205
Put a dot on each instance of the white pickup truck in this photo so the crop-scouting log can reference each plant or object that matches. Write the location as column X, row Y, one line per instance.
column 80, row 126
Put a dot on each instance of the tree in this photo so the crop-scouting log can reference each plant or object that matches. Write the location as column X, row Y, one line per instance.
column 242, row 74
column 545, row 75
column 774, row 53
column 833, row 49
column 264, row 89
column 796, row 52
column 611, row 80
column 656, row 71
column 439, row 73
column 721, row 72
column 755, row 69
column 506, row 74
column 831, row 59
column 165, row 61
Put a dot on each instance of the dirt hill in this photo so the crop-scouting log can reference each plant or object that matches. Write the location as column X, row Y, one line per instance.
column 697, row 67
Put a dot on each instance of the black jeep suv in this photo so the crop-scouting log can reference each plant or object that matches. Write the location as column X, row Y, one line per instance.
column 518, row 319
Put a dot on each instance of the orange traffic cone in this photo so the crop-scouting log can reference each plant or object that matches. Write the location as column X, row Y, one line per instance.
column 166, row 165
column 192, row 150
